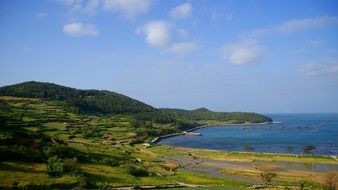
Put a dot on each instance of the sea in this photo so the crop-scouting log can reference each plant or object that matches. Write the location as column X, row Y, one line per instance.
column 288, row 130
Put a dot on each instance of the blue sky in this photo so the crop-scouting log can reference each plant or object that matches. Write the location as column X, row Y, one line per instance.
column 256, row 56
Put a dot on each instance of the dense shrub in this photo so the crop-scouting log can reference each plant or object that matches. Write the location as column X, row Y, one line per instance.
column 267, row 176
column 71, row 166
column 248, row 148
column 55, row 166
column 62, row 151
column 307, row 149
column 82, row 181
column 110, row 162
column 20, row 153
column 55, row 149
column 289, row 149
column 137, row 171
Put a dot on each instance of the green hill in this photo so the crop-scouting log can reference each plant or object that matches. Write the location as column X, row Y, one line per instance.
column 87, row 101
column 203, row 114
column 106, row 102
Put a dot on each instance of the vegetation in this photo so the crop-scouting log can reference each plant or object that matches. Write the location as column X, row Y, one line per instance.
column 205, row 115
column 105, row 102
column 248, row 148
column 58, row 137
column 267, row 176
column 307, row 149
column 86, row 101
column 55, row 166
column 289, row 149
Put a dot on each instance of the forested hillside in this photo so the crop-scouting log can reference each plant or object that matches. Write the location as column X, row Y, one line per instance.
column 87, row 101
column 106, row 102
column 203, row 114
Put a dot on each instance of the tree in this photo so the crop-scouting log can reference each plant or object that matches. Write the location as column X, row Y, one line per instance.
column 289, row 149
column 307, row 149
column 137, row 171
column 55, row 166
column 267, row 176
column 248, row 148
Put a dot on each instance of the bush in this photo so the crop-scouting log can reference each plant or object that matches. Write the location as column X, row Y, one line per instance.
column 137, row 171
column 307, row 149
column 82, row 181
column 289, row 149
column 55, row 166
column 267, row 176
column 110, row 162
column 71, row 166
column 137, row 140
column 20, row 153
column 62, row 151
column 52, row 150
column 248, row 148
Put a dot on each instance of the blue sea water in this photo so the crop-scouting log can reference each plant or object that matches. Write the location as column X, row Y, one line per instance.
column 296, row 130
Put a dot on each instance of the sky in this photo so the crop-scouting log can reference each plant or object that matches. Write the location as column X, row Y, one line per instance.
column 260, row 56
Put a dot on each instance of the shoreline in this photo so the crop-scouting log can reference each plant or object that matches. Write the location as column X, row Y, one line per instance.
column 156, row 140
column 159, row 138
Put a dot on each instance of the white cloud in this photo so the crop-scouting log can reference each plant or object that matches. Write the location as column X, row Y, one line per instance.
column 298, row 25
column 324, row 66
column 73, row 5
column 92, row 7
column 244, row 52
column 78, row 29
column 127, row 8
column 158, row 34
column 89, row 7
column 182, row 48
column 181, row 11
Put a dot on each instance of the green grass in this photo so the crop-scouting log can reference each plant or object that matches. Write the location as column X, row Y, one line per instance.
column 30, row 175
column 55, row 125
column 200, row 178
column 227, row 187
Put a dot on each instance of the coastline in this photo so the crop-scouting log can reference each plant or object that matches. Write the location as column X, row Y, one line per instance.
column 159, row 138
column 156, row 140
